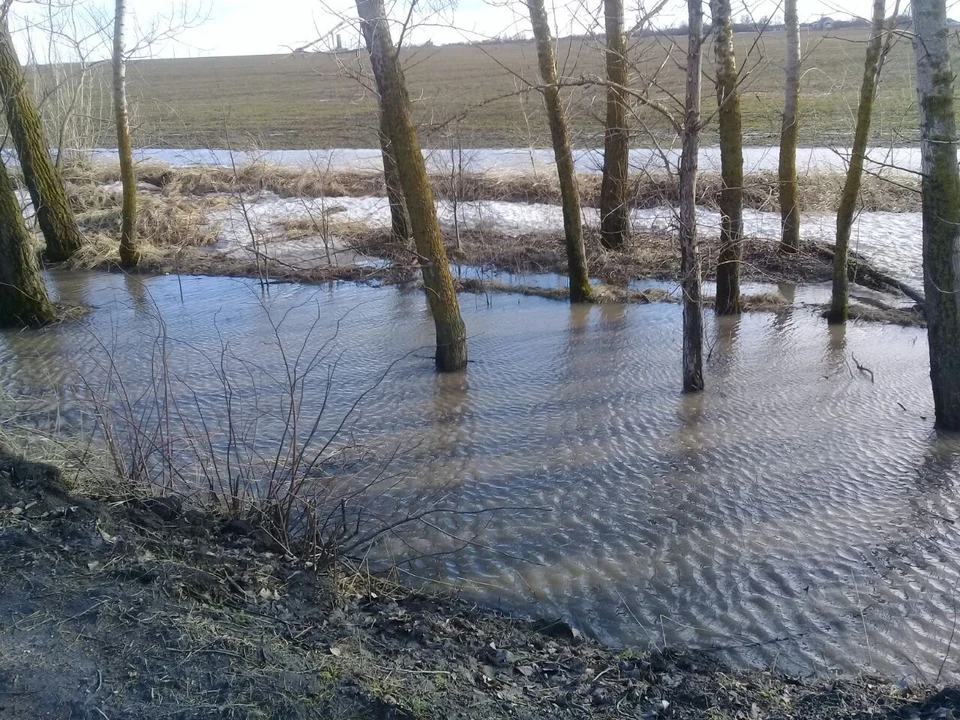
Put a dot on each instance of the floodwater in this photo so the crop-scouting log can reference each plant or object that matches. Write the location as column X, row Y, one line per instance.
column 799, row 512
column 528, row 160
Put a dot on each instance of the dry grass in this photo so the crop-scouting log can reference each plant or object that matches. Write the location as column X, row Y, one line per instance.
column 601, row 293
column 819, row 192
column 164, row 224
column 765, row 302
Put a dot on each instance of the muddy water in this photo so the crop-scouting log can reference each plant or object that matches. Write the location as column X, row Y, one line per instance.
column 795, row 513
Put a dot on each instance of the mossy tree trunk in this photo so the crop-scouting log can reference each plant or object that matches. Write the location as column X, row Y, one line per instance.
column 23, row 297
column 412, row 172
column 399, row 219
column 941, row 206
column 614, row 209
column 689, row 253
column 46, row 188
column 731, row 162
column 129, row 254
column 563, row 155
column 789, row 132
column 840, row 299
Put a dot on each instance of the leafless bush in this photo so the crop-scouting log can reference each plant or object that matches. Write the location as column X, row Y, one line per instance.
column 261, row 442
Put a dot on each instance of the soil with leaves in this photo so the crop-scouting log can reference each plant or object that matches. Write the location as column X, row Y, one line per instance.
column 147, row 609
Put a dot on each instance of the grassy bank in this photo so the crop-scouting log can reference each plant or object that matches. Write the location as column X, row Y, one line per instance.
column 309, row 101
column 819, row 192
column 177, row 236
column 125, row 605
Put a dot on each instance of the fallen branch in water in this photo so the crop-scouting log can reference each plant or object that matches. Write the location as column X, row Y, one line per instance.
column 862, row 368
column 878, row 277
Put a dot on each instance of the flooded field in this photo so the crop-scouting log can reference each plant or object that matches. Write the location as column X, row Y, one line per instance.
column 800, row 512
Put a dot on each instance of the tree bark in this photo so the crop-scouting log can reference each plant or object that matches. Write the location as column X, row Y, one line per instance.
column 789, row 206
column 731, row 162
column 399, row 220
column 129, row 253
column 412, row 172
column 23, row 297
column 46, row 188
column 614, row 210
column 840, row 299
column 569, row 192
column 689, row 253
column 941, row 209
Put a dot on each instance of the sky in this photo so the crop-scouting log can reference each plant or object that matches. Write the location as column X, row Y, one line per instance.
column 255, row 27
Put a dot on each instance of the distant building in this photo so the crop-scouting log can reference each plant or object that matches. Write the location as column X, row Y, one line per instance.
column 824, row 23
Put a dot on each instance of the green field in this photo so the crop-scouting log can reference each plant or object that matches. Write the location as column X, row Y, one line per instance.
column 303, row 101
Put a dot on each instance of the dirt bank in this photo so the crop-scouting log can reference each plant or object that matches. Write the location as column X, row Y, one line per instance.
column 146, row 608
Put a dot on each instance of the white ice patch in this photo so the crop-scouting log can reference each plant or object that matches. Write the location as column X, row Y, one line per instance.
column 891, row 240
column 526, row 161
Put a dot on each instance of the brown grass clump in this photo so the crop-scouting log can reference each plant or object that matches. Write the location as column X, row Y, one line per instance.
column 767, row 301
column 163, row 223
column 601, row 293
column 648, row 255
column 819, row 192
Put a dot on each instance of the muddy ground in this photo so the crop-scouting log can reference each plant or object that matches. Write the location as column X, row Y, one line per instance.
column 117, row 607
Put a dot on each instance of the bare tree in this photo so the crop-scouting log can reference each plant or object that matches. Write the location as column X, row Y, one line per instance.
column 44, row 183
column 689, row 254
column 941, row 210
column 569, row 191
column 731, row 161
column 839, row 303
column 23, row 297
column 789, row 207
column 438, row 282
column 129, row 254
column 64, row 44
column 614, row 210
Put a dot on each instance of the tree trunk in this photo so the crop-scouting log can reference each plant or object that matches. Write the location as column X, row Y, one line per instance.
column 44, row 183
column 941, row 210
column 23, row 297
column 840, row 300
column 689, row 254
column 412, row 172
column 129, row 254
column 789, row 207
column 399, row 220
column 569, row 192
column 614, row 210
column 731, row 162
